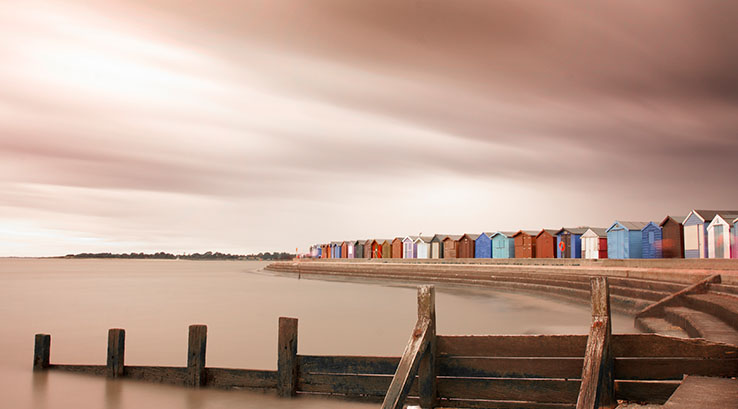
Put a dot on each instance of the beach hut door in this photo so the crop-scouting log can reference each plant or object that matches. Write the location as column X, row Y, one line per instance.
column 719, row 245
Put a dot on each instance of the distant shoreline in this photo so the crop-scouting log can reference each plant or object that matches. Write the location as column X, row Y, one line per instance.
column 208, row 256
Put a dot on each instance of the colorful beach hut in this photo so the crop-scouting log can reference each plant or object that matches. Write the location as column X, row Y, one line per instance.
column 344, row 250
column 719, row 236
column 372, row 249
column 525, row 243
column 503, row 245
column 386, row 247
column 625, row 240
column 672, row 237
column 450, row 245
column 465, row 248
column 408, row 247
column 735, row 238
column 651, row 241
column 397, row 247
column 359, row 249
column 437, row 245
column 695, row 231
column 571, row 237
column 422, row 246
column 483, row 246
column 594, row 243
column 546, row 244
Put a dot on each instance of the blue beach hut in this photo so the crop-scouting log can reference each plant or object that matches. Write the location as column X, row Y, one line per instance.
column 483, row 246
column 572, row 239
column 503, row 245
column 651, row 240
column 625, row 240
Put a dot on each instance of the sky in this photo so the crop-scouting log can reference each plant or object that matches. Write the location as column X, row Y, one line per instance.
column 249, row 126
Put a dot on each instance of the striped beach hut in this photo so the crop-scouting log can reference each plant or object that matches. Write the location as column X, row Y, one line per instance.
column 546, row 244
column 651, row 241
column 695, row 231
column 572, row 239
column 594, row 243
column 719, row 236
column 450, row 245
column 672, row 237
column 359, row 249
column 483, row 246
column 336, row 249
column 625, row 240
column 465, row 248
column 503, row 245
column 397, row 247
column 372, row 249
column 422, row 246
column 437, row 245
column 408, row 247
column 525, row 243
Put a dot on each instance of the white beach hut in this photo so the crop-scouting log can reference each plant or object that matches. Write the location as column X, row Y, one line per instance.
column 719, row 237
column 422, row 246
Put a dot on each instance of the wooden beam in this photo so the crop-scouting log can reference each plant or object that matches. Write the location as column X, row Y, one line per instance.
column 408, row 367
column 428, row 369
column 287, row 357
column 672, row 299
column 116, row 352
column 597, row 388
column 41, row 352
column 196, row 355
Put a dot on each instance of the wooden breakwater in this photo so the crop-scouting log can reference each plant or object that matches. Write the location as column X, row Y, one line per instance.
column 487, row 371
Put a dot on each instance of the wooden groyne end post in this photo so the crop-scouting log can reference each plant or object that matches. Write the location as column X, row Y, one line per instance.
column 116, row 352
column 287, row 357
column 198, row 336
column 41, row 352
column 597, row 387
column 419, row 357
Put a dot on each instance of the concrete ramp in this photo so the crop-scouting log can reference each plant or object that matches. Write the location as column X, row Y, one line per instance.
column 704, row 393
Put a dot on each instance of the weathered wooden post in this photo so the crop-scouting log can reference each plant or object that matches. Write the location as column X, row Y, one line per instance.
column 196, row 355
column 41, row 352
column 428, row 369
column 597, row 388
column 116, row 352
column 287, row 357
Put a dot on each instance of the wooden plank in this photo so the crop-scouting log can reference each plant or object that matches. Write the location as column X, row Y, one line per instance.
column 171, row 375
column 704, row 393
column 240, row 378
column 347, row 364
column 198, row 336
column 657, row 308
column 287, row 357
column 673, row 368
column 408, row 367
column 347, row 384
column 645, row 391
column 41, row 351
column 116, row 352
column 98, row 370
column 597, row 389
column 536, row 390
column 568, row 368
column 428, row 369
column 512, row 345
column 654, row 345
column 498, row 404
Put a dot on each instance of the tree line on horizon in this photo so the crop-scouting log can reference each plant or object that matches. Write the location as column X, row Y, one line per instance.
column 194, row 256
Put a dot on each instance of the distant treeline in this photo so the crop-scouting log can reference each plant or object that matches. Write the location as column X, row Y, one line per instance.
column 195, row 256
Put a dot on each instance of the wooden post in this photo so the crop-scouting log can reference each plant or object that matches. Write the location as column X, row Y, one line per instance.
column 41, row 352
column 196, row 355
column 287, row 357
column 597, row 388
column 116, row 352
column 427, row 385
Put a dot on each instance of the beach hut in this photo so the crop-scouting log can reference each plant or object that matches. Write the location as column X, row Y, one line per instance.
column 359, row 249
column 408, row 247
column 546, row 243
column 624, row 240
column 572, row 239
column 503, row 245
column 525, row 243
column 651, row 241
column 372, row 249
column 483, row 246
column 672, row 237
column 437, row 245
column 594, row 243
column 450, row 245
column 719, row 236
column 386, row 248
column 324, row 251
column 344, row 250
column 735, row 238
column 397, row 247
column 336, row 249
column 465, row 247
column 695, row 231
column 422, row 246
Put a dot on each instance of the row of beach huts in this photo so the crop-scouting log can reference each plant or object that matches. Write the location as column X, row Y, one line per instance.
column 700, row 234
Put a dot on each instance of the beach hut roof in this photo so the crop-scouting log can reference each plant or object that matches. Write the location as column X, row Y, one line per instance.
column 552, row 232
column 440, row 237
column 528, row 232
column 454, row 237
column 573, row 230
column 504, row 233
column 424, row 239
column 630, row 225
column 600, row 231
column 708, row 215
column 678, row 219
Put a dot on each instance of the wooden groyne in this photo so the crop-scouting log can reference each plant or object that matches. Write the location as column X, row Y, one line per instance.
column 487, row 371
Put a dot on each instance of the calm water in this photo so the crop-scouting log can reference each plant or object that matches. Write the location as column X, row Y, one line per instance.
column 76, row 301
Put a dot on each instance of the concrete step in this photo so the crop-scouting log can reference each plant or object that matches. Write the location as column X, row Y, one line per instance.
column 659, row 326
column 723, row 306
column 699, row 324
column 704, row 393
